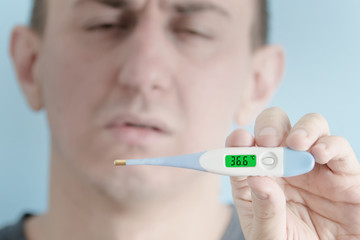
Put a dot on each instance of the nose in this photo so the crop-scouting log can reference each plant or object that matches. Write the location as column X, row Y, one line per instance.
column 146, row 57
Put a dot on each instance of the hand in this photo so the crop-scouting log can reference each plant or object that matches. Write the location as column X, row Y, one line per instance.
column 322, row 204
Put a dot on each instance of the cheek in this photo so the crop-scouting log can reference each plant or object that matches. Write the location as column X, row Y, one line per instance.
column 73, row 89
column 213, row 96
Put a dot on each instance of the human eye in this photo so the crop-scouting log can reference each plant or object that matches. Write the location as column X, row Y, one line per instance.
column 110, row 26
column 120, row 24
column 103, row 26
column 191, row 28
column 193, row 32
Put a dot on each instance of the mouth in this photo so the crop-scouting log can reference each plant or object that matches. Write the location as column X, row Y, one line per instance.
column 134, row 130
column 142, row 126
column 140, row 123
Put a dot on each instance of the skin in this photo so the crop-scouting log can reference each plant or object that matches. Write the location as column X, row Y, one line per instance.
column 322, row 204
column 99, row 77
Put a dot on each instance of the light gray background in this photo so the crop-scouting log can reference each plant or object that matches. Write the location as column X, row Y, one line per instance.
column 321, row 39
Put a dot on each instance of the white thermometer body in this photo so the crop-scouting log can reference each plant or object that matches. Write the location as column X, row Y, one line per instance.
column 238, row 161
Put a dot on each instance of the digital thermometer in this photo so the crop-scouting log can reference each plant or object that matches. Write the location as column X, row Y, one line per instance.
column 237, row 161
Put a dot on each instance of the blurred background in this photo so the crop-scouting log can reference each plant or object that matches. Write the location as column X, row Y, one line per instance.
column 321, row 39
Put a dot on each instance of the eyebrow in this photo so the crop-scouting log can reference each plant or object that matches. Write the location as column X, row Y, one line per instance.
column 194, row 7
column 184, row 8
column 110, row 3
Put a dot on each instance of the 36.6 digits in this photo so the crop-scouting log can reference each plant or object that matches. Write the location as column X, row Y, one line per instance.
column 241, row 160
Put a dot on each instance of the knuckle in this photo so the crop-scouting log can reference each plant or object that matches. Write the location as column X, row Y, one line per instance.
column 266, row 215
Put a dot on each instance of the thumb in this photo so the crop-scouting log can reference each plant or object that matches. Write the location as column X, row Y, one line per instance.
column 269, row 209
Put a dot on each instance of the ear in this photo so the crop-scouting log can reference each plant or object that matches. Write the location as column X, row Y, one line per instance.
column 266, row 73
column 24, row 50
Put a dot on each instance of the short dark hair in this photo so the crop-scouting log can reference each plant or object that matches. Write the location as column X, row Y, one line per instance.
column 259, row 30
column 38, row 16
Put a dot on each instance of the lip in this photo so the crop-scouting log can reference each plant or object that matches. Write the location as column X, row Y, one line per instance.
column 136, row 130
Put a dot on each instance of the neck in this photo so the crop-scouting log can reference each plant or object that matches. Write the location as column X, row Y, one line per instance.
column 79, row 210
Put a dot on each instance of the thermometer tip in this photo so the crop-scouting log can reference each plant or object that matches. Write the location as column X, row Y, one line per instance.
column 120, row 162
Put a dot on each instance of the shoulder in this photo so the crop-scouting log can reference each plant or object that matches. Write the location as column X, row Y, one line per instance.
column 233, row 230
column 15, row 231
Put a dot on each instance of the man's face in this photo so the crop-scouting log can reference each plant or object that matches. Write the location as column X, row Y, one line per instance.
column 142, row 78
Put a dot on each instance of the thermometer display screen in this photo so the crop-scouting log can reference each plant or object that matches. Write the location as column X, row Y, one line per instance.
column 240, row 160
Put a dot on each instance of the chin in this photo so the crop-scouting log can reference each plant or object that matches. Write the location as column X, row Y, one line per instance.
column 143, row 183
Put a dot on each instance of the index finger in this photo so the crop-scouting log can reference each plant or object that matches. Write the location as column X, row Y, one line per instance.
column 337, row 153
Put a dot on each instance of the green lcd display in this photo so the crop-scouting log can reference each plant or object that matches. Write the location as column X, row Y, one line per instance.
column 240, row 160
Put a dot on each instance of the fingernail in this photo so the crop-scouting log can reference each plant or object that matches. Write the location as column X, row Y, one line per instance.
column 300, row 132
column 268, row 131
column 260, row 195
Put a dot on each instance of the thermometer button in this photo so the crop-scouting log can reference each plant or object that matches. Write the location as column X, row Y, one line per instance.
column 268, row 161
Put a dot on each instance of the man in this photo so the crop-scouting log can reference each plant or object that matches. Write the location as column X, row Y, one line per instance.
column 146, row 78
